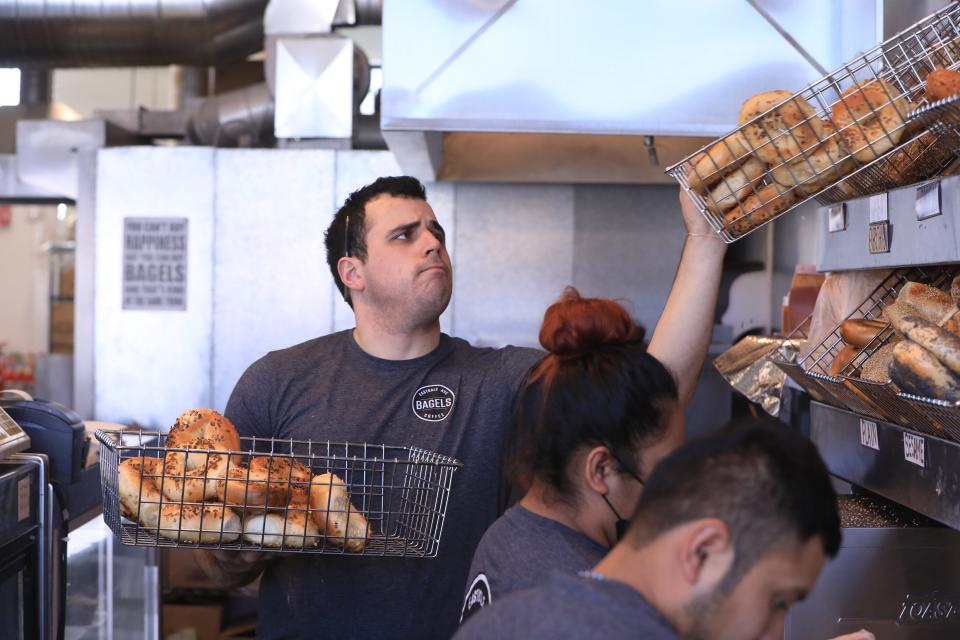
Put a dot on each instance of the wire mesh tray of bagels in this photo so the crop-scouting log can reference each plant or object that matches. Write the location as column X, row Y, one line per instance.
column 896, row 357
column 860, row 130
column 203, row 486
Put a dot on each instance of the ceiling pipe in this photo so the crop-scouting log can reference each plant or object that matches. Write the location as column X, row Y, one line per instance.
column 88, row 33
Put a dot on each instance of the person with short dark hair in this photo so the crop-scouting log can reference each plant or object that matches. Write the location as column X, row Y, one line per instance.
column 592, row 421
column 387, row 253
column 731, row 530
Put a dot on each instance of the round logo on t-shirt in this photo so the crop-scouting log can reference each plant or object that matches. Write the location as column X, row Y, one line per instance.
column 478, row 597
column 433, row 402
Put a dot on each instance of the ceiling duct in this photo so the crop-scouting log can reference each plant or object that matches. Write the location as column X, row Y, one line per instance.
column 87, row 33
column 504, row 90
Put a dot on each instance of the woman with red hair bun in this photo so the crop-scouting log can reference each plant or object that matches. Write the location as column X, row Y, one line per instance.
column 592, row 420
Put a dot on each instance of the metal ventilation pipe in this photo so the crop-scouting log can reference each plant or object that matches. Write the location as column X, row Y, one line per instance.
column 241, row 117
column 84, row 33
column 369, row 12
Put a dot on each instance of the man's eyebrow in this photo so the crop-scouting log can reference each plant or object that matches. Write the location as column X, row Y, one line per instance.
column 405, row 227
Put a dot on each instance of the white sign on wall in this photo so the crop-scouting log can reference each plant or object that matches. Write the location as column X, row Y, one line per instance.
column 155, row 264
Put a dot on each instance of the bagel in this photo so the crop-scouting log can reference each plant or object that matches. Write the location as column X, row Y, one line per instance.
column 182, row 483
column 930, row 303
column 183, row 523
column 942, row 83
column 272, row 529
column 843, row 358
column 870, row 118
column 141, row 501
column 817, row 169
column 859, row 333
column 272, row 481
column 877, row 366
column 780, row 134
column 944, row 345
column 206, row 425
column 762, row 206
column 192, row 476
column 717, row 160
column 735, row 185
column 915, row 370
column 333, row 512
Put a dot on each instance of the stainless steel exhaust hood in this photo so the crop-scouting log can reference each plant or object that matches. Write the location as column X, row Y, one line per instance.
column 564, row 91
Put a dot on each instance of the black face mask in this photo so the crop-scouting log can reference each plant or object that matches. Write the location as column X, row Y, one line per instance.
column 621, row 524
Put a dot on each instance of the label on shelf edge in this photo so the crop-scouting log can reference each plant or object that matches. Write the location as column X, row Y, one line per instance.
column 913, row 449
column 927, row 204
column 836, row 217
column 878, row 237
column 868, row 434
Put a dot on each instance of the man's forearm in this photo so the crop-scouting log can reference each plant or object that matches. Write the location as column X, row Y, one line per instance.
column 682, row 336
column 225, row 573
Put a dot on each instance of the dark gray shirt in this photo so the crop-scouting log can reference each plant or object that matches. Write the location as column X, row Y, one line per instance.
column 457, row 401
column 570, row 606
column 519, row 551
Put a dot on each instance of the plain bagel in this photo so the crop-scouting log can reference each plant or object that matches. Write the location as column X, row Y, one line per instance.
column 276, row 529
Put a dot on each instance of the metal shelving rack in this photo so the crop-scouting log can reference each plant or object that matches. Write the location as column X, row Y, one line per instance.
column 919, row 471
column 915, row 469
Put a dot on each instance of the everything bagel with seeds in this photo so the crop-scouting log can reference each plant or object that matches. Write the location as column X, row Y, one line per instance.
column 782, row 134
column 142, row 501
column 870, row 117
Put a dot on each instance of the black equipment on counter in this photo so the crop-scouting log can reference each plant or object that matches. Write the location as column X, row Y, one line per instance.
column 56, row 431
column 57, row 434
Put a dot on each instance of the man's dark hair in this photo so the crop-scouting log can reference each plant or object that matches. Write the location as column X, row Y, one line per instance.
column 764, row 480
column 339, row 237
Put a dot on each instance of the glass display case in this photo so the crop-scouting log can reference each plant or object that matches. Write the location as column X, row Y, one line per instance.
column 112, row 589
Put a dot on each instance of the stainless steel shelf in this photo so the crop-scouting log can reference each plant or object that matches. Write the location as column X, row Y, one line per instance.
column 935, row 240
column 932, row 489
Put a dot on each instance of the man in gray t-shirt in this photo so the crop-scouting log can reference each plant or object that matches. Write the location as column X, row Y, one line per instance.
column 731, row 530
column 386, row 252
column 571, row 606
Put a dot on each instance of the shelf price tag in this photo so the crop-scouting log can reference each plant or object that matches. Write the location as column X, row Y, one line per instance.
column 868, row 434
column 878, row 208
column 928, row 200
column 913, row 449
column 878, row 237
column 836, row 218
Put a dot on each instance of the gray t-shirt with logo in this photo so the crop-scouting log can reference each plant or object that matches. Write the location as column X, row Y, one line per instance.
column 519, row 551
column 570, row 606
column 456, row 401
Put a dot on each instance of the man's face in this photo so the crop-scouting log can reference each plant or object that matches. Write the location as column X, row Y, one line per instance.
column 757, row 606
column 407, row 273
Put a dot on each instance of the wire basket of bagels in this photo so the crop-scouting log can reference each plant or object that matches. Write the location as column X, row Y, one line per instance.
column 862, row 129
column 201, row 485
column 896, row 357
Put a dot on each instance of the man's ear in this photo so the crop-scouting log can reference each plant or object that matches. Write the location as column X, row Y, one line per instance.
column 706, row 553
column 351, row 274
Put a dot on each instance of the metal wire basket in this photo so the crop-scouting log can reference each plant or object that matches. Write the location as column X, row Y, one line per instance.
column 943, row 413
column 847, row 389
column 788, row 361
column 846, row 135
column 315, row 497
